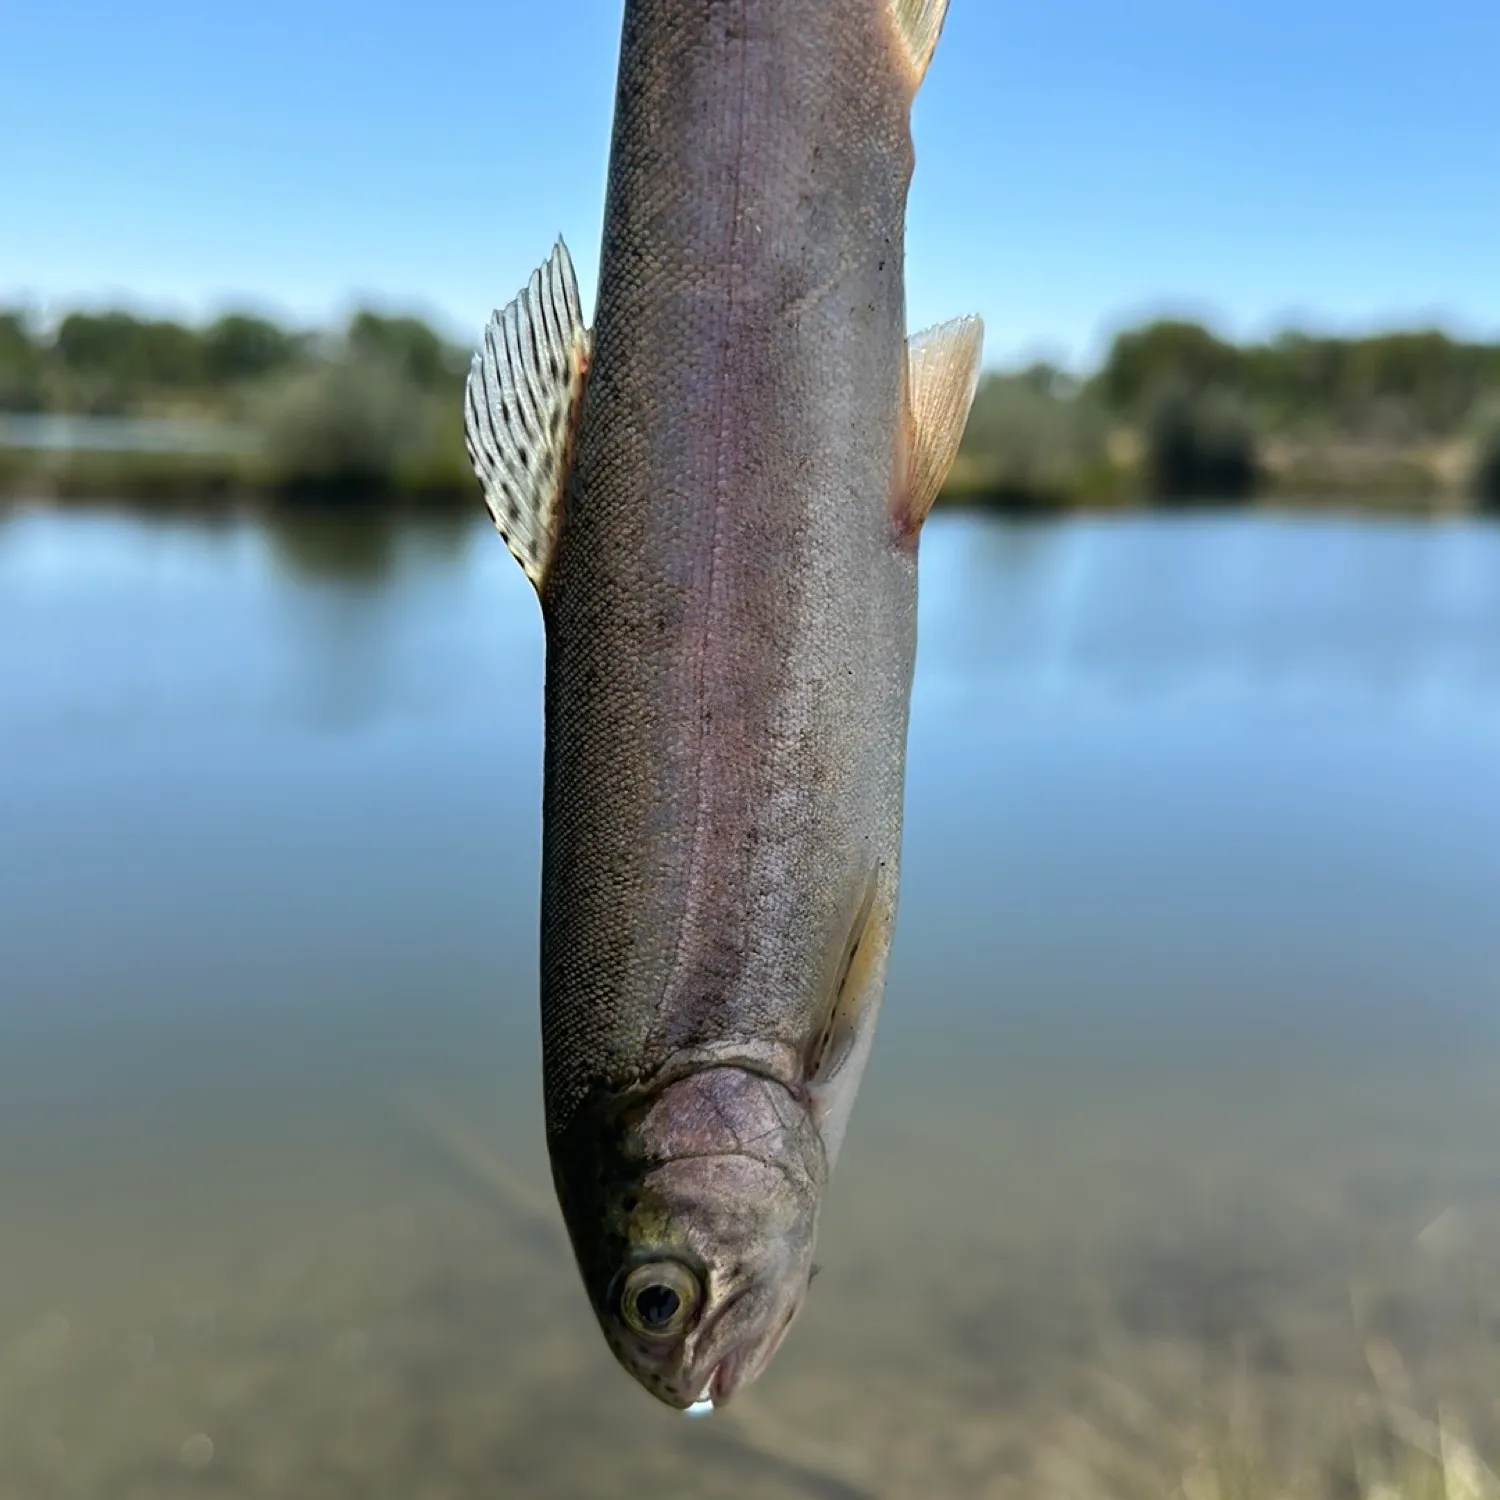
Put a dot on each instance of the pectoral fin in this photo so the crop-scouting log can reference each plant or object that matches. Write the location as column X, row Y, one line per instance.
column 942, row 376
column 521, row 409
column 839, row 1027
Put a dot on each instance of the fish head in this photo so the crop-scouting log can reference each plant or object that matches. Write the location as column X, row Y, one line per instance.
column 708, row 1220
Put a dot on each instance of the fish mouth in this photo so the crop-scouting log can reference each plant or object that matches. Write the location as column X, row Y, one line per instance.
column 725, row 1380
column 743, row 1364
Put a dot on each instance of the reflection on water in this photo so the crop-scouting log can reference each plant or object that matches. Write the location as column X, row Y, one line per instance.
column 1179, row 1137
column 363, row 550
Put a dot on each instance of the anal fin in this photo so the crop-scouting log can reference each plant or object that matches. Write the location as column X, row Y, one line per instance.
column 521, row 408
column 942, row 375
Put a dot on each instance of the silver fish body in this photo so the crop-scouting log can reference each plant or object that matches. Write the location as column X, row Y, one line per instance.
column 726, row 557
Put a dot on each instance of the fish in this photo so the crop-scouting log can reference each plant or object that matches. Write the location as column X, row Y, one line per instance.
column 717, row 490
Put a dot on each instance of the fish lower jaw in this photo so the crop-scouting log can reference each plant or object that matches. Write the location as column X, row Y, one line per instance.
column 717, row 1390
column 725, row 1379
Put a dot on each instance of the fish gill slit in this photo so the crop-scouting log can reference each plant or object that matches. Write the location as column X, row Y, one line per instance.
column 696, row 857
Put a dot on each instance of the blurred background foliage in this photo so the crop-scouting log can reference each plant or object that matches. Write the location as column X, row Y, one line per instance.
column 1175, row 414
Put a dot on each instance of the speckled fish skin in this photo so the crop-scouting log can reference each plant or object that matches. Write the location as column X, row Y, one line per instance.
column 730, row 619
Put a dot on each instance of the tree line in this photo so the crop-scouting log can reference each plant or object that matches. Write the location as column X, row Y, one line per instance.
column 116, row 363
column 1202, row 417
column 1174, row 410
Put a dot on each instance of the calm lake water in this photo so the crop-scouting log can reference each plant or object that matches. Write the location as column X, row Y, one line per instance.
column 1182, row 1139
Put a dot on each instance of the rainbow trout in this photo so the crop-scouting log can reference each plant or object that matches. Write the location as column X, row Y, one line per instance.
column 717, row 493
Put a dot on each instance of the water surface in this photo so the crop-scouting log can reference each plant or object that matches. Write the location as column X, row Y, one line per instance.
column 1180, row 1131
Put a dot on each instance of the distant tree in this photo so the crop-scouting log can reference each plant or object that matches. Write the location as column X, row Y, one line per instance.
column 172, row 355
column 240, row 347
column 1046, row 379
column 16, row 343
column 1393, row 388
column 20, row 364
column 1296, row 376
column 99, row 344
column 1400, row 384
column 129, row 352
column 1143, row 362
column 1436, row 377
column 408, row 345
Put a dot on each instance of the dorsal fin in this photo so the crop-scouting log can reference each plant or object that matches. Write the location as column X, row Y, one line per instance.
column 942, row 376
column 919, row 23
column 521, row 407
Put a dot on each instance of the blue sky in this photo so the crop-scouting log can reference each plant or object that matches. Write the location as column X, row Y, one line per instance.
column 1079, row 162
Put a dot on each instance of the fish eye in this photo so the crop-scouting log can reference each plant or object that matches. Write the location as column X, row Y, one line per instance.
column 659, row 1299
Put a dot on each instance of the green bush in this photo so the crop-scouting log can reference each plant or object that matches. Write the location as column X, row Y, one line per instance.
column 1033, row 440
column 1142, row 361
column 239, row 347
column 1390, row 386
column 1487, row 470
column 343, row 429
column 20, row 364
column 411, row 347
